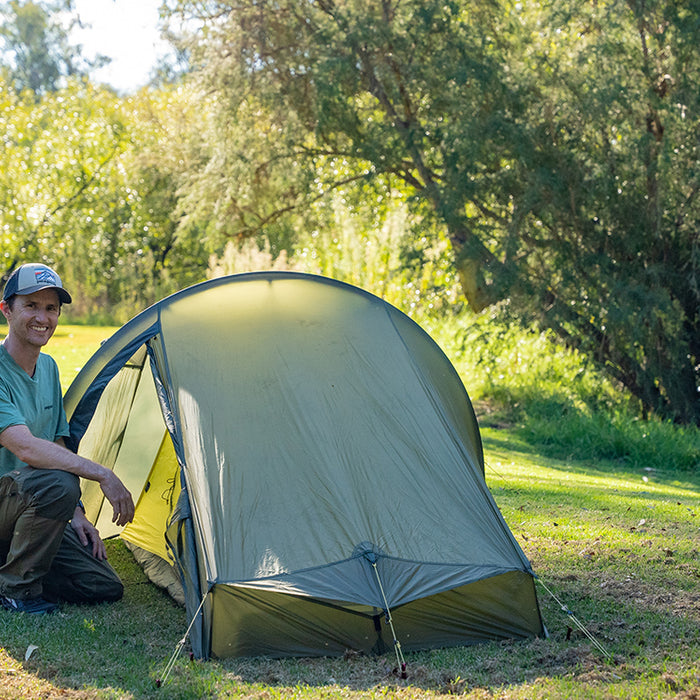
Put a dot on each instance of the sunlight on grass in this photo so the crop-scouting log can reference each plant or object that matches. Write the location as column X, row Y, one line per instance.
column 72, row 347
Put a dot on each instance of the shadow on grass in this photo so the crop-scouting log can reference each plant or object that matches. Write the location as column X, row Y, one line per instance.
column 119, row 651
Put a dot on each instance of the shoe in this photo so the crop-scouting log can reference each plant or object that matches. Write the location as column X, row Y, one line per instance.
column 34, row 606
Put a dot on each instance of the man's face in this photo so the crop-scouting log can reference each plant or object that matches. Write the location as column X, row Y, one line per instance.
column 33, row 317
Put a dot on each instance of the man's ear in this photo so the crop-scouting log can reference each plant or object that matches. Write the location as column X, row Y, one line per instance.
column 5, row 308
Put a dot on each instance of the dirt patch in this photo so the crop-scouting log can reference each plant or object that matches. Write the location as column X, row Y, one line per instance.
column 678, row 603
column 18, row 683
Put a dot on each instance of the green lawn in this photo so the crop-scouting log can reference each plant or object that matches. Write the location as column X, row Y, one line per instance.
column 616, row 550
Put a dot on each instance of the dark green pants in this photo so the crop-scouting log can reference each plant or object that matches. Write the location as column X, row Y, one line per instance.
column 40, row 554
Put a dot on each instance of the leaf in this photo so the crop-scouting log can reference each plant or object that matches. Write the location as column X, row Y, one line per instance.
column 30, row 650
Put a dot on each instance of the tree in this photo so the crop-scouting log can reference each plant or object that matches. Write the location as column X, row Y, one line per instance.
column 354, row 80
column 608, row 192
column 35, row 47
column 556, row 142
column 167, row 252
column 57, row 157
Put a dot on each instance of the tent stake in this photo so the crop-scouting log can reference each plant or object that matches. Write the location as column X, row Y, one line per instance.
column 178, row 648
column 576, row 622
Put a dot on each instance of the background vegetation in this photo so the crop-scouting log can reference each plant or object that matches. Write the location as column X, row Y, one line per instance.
column 541, row 155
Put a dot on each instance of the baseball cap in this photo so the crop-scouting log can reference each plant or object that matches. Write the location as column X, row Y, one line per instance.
column 32, row 277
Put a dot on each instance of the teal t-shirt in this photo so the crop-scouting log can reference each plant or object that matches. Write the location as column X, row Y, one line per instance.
column 36, row 402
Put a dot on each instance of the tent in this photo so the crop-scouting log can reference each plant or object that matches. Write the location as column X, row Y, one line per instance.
column 308, row 462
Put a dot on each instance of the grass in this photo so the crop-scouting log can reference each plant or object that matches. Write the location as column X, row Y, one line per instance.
column 72, row 347
column 613, row 540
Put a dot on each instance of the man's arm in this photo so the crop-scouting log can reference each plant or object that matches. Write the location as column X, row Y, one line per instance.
column 44, row 454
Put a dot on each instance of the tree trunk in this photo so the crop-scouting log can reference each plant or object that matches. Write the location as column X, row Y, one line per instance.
column 478, row 292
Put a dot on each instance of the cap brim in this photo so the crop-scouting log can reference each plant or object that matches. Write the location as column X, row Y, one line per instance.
column 63, row 296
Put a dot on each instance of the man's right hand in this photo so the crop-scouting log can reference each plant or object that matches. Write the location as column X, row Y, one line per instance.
column 120, row 498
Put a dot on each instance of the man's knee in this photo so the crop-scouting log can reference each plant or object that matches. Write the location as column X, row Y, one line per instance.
column 52, row 492
column 98, row 588
column 86, row 587
column 111, row 591
column 76, row 576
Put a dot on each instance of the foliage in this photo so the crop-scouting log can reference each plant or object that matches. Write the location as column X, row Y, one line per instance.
column 167, row 249
column 329, row 82
column 554, row 142
column 88, row 183
column 555, row 398
column 35, row 51
column 610, row 204
column 372, row 247
column 57, row 156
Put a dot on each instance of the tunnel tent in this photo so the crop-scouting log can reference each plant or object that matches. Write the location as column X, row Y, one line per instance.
column 308, row 461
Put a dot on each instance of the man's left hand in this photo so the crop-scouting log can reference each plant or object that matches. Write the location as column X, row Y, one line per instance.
column 88, row 534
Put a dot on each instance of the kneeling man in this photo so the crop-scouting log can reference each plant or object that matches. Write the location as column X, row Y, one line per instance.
column 49, row 551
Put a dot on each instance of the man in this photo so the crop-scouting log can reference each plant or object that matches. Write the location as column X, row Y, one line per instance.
column 42, row 560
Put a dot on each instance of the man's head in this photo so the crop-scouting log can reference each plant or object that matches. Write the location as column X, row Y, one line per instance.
column 31, row 303
column 32, row 277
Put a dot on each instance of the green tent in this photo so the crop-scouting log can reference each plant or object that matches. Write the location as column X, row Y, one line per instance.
column 308, row 461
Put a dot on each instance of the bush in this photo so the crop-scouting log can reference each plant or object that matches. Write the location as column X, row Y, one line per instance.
column 556, row 399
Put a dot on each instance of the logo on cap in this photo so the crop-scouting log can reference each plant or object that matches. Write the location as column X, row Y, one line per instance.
column 45, row 277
